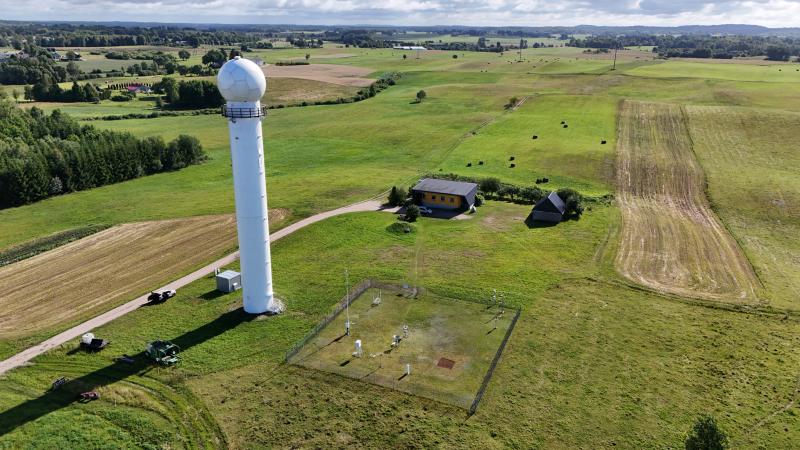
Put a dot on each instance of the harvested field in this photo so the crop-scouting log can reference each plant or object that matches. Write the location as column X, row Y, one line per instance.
column 289, row 91
column 105, row 269
column 328, row 73
column 671, row 240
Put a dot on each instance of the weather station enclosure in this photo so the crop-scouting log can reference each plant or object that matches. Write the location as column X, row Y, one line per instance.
column 431, row 346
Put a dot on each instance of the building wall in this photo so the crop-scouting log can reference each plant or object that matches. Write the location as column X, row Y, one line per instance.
column 546, row 216
column 445, row 201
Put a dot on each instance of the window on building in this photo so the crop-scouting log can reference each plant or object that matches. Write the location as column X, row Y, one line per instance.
column 451, row 199
column 441, row 197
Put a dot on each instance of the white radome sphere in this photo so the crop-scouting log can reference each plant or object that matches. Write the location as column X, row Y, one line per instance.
column 241, row 80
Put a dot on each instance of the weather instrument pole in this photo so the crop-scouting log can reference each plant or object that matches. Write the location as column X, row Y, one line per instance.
column 347, row 302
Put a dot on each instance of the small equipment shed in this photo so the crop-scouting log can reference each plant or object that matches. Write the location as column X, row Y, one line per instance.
column 229, row 281
column 549, row 209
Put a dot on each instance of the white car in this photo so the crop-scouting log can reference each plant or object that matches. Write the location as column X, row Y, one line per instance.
column 425, row 210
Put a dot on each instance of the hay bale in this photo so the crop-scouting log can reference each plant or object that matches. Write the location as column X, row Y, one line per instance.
column 563, row 122
column 566, row 126
column 535, row 136
column 469, row 164
column 603, row 142
column 511, row 158
column 512, row 165
column 480, row 163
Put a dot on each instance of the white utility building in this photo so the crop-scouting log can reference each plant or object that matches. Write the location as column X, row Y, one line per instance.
column 242, row 83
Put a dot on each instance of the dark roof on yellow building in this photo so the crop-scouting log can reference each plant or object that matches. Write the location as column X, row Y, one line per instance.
column 445, row 186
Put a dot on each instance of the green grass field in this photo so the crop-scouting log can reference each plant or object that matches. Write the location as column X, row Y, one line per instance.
column 468, row 335
column 595, row 360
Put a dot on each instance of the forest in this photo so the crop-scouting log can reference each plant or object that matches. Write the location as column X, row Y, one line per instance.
column 44, row 155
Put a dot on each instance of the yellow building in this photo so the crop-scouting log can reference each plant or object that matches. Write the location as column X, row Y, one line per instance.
column 444, row 194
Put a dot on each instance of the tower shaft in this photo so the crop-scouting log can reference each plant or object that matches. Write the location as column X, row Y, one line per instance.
column 250, row 191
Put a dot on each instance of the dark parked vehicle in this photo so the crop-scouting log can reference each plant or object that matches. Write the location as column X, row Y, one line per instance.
column 159, row 297
column 89, row 396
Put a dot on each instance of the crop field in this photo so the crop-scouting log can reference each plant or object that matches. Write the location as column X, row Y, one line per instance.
column 96, row 273
column 671, row 240
column 448, row 343
column 327, row 73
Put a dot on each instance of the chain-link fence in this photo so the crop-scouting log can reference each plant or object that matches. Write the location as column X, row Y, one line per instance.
column 488, row 377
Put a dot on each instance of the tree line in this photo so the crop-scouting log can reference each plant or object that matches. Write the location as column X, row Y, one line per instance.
column 44, row 155
column 699, row 46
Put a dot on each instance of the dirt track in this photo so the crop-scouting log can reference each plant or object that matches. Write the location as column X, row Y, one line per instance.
column 328, row 73
column 671, row 240
column 91, row 273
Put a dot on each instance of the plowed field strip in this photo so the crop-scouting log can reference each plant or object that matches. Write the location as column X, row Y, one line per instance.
column 671, row 240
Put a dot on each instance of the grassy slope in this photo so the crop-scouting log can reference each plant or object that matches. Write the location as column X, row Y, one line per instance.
column 738, row 72
column 754, row 184
column 570, row 156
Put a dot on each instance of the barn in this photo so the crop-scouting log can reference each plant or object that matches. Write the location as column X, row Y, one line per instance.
column 549, row 209
column 444, row 194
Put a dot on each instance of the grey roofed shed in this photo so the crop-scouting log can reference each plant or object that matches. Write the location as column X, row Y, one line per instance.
column 464, row 189
column 549, row 209
column 229, row 281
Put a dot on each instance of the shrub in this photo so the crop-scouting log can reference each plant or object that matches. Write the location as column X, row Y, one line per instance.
column 489, row 185
column 397, row 196
column 412, row 213
column 478, row 200
column 706, row 435
column 573, row 201
column 400, row 228
column 421, row 96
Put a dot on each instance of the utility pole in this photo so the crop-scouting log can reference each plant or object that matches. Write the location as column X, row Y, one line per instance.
column 616, row 46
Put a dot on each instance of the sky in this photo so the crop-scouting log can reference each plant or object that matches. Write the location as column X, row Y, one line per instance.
column 771, row 13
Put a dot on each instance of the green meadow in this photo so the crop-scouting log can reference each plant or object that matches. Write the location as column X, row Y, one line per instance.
column 595, row 361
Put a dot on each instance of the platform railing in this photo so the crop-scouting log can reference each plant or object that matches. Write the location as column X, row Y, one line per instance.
column 244, row 113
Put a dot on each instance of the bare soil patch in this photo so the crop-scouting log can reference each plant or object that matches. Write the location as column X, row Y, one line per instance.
column 671, row 240
column 328, row 73
column 100, row 271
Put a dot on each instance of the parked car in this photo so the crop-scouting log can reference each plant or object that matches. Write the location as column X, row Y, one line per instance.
column 425, row 210
column 158, row 297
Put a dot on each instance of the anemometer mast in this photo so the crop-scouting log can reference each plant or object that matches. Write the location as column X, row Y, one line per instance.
column 242, row 83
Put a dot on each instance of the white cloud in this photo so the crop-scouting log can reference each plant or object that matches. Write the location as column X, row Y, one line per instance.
column 775, row 13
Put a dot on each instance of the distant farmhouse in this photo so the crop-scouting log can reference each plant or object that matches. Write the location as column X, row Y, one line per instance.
column 549, row 209
column 408, row 47
column 5, row 56
column 139, row 89
column 445, row 194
